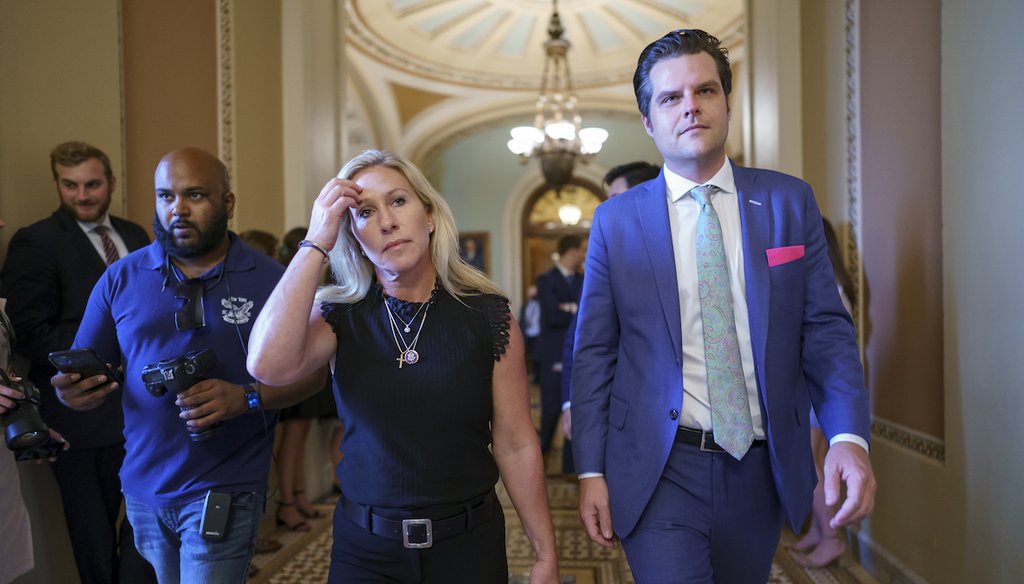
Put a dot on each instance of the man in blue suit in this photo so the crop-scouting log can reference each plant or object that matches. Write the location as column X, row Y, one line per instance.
column 693, row 473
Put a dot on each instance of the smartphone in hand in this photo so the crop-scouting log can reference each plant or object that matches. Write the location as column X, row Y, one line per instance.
column 84, row 362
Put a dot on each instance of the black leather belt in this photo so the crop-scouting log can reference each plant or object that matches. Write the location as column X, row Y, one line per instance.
column 705, row 440
column 421, row 532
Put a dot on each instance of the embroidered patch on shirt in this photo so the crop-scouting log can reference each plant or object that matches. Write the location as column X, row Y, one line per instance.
column 236, row 310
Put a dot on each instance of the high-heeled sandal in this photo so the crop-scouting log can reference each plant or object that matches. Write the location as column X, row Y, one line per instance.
column 315, row 514
column 296, row 526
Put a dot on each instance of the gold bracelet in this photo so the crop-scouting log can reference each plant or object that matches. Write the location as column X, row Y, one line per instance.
column 316, row 246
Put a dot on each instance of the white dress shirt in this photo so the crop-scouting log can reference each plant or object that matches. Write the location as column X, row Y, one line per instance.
column 683, row 210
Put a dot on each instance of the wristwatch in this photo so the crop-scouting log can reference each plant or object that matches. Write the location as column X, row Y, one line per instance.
column 253, row 401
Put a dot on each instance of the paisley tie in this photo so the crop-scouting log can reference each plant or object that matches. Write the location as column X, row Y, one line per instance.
column 730, row 410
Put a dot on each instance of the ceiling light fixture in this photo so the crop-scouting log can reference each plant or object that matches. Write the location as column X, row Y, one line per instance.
column 570, row 214
column 555, row 136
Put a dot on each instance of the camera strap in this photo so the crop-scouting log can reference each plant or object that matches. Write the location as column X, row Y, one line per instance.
column 8, row 332
column 5, row 322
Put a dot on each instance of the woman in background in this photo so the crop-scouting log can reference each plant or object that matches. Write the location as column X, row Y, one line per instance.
column 823, row 544
column 294, row 508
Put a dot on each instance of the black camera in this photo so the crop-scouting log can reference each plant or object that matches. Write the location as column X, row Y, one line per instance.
column 25, row 432
column 177, row 375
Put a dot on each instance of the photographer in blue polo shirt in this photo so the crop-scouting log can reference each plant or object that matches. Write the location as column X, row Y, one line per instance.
column 198, row 429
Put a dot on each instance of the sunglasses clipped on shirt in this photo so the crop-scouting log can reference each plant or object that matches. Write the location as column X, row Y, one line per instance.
column 192, row 314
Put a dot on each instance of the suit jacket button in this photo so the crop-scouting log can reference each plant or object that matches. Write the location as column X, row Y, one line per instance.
column 674, row 414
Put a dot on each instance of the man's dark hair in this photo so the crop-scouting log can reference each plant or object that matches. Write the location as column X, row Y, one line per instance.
column 676, row 44
column 568, row 242
column 634, row 173
column 75, row 153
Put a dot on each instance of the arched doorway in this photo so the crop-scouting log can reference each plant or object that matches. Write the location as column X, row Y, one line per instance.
column 548, row 215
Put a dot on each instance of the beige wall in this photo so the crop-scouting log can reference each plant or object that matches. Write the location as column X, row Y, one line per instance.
column 824, row 107
column 933, row 129
column 901, row 190
column 958, row 520
column 170, row 97
column 258, row 168
column 983, row 138
column 776, row 112
column 59, row 80
column 313, row 99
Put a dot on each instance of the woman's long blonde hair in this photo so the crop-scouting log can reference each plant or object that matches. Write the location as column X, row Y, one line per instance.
column 353, row 272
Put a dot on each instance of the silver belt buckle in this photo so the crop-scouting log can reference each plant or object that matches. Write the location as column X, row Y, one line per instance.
column 428, row 536
column 703, row 437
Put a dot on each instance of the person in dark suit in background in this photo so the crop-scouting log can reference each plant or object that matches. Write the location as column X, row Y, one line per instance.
column 618, row 180
column 558, row 291
column 50, row 270
column 626, row 176
column 709, row 324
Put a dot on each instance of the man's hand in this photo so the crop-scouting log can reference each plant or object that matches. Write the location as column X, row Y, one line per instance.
column 595, row 512
column 848, row 463
column 82, row 394
column 567, row 423
column 56, row 437
column 9, row 398
column 211, row 401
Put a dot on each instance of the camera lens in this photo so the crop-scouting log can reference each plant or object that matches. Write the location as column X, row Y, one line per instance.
column 27, row 440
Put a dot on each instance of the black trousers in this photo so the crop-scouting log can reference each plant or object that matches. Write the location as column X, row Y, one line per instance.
column 473, row 557
column 90, row 490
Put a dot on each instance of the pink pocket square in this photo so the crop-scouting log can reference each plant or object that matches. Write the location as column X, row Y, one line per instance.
column 782, row 255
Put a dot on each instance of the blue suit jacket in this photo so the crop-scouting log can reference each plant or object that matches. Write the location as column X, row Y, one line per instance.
column 627, row 382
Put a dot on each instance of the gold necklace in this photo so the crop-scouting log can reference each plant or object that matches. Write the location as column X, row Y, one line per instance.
column 407, row 354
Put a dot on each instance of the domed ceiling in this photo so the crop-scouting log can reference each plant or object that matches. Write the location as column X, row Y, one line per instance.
column 422, row 71
column 498, row 44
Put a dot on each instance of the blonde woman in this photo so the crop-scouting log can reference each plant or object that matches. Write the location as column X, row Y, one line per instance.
column 430, row 381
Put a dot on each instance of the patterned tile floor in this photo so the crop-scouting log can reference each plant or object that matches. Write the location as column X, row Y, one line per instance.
column 305, row 557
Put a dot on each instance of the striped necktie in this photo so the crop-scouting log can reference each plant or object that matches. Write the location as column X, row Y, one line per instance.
column 109, row 249
column 727, row 389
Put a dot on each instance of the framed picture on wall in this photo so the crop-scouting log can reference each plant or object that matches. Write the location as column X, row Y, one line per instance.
column 475, row 248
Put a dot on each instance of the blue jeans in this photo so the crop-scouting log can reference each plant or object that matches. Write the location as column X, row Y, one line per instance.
column 169, row 538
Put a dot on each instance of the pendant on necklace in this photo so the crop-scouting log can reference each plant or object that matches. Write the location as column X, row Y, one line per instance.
column 407, row 329
column 411, row 357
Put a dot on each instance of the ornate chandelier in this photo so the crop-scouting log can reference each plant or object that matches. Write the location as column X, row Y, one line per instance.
column 555, row 136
